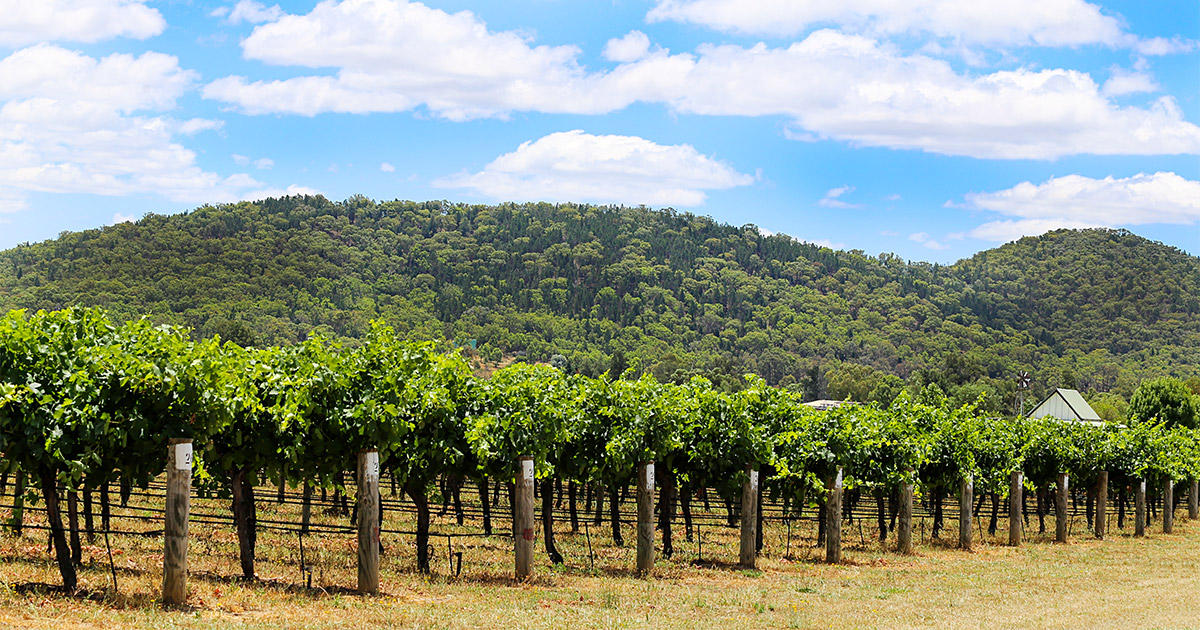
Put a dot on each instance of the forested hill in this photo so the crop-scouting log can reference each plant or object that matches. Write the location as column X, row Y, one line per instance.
column 676, row 294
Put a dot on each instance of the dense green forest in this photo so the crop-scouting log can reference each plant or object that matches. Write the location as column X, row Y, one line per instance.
column 671, row 293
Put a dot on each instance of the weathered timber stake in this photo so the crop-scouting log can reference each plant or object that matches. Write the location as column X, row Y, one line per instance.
column 1193, row 504
column 748, row 555
column 368, row 522
column 175, row 526
column 1060, row 507
column 645, row 518
column 904, row 527
column 1139, row 507
column 833, row 519
column 1101, row 522
column 966, row 494
column 1016, row 501
column 523, row 531
column 1168, row 524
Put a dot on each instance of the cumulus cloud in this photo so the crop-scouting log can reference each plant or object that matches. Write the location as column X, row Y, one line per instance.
column 1013, row 229
column 1012, row 23
column 70, row 123
column 1075, row 201
column 851, row 88
column 248, row 11
column 830, row 85
column 824, row 242
column 1122, row 82
column 122, row 218
column 31, row 21
column 387, row 168
column 924, row 239
column 832, row 200
column 394, row 55
column 1159, row 46
column 574, row 165
column 1162, row 197
column 632, row 47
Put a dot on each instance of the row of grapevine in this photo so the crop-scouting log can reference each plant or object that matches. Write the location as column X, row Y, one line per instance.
column 84, row 401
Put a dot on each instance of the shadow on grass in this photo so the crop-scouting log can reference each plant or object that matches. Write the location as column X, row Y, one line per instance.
column 285, row 586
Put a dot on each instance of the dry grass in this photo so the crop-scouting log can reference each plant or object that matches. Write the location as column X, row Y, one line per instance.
column 1122, row 581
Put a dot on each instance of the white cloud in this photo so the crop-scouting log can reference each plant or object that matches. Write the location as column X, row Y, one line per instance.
column 853, row 89
column 1012, row 23
column 249, row 11
column 122, row 218
column 892, row 197
column 387, row 168
column 70, row 123
column 1011, row 230
column 1122, row 82
column 240, row 160
column 576, row 166
column 823, row 242
column 1159, row 46
column 196, row 125
column 926, row 240
column 264, row 164
column 265, row 192
column 632, row 47
column 1157, row 198
column 830, row 85
column 12, row 201
column 31, row 21
column 832, row 198
column 394, row 55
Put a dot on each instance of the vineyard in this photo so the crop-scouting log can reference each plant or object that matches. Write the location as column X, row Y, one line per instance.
column 398, row 430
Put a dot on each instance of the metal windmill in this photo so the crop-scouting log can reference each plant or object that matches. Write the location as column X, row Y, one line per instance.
column 1024, row 380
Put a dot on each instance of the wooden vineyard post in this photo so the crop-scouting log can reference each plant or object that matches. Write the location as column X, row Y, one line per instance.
column 833, row 519
column 368, row 522
column 1016, row 503
column 523, row 531
column 749, row 552
column 1102, row 504
column 1139, row 503
column 1168, row 506
column 1193, row 503
column 904, row 526
column 175, row 526
column 1060, row 507
column 966, row 499
column 645, row 514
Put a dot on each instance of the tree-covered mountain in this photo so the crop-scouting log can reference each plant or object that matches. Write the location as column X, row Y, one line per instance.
column 674, row 293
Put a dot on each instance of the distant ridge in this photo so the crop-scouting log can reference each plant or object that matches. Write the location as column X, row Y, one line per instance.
column 674, row 293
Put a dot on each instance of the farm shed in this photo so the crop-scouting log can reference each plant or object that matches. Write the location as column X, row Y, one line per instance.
column 822, row 405
column 1066, row 404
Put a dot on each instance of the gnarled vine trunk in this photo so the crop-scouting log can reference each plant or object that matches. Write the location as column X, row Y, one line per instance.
column 487, row 508
column 614, row 513
column 666, row 511
column 62, row 553
column 245, row 518
column 416, row 492
column 548, row 520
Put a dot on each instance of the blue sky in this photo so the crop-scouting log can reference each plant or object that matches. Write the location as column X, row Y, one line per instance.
column 928, row 128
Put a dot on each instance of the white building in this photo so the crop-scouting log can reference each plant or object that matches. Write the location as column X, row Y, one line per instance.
column 1066, row 404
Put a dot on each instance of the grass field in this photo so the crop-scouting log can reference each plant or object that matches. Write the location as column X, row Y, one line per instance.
column 1118, row 582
